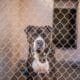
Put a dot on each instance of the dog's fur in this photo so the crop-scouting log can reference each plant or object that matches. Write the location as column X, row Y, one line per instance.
column 29, row 31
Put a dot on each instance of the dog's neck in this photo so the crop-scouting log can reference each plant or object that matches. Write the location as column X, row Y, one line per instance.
column 36, row 57
column 40, row 67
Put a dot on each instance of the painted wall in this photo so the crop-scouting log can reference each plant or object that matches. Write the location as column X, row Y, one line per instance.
column 15, row 16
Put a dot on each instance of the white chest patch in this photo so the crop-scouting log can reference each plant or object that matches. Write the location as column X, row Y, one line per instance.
column 40, row 67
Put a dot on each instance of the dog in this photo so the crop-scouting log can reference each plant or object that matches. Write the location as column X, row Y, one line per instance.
column 39, row 39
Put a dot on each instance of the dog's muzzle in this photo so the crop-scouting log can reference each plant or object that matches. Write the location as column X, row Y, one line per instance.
column 40, row 60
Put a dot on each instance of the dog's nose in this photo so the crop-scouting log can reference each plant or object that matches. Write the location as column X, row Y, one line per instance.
column 39, row 44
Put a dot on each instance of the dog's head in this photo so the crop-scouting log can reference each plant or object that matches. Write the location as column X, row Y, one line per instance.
column 39, row 39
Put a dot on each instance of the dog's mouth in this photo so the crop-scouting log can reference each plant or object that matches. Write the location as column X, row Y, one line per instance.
column 42, row 58
column 41, row 55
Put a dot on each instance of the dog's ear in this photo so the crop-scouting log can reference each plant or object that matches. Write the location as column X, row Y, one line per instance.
column 28, row 29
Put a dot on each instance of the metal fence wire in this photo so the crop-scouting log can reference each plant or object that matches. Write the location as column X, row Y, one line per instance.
column 61, row 44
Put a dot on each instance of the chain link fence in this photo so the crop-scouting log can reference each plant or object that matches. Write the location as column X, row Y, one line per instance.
column 64, row 58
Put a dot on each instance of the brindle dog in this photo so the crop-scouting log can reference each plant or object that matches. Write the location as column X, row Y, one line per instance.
column 32, row 33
